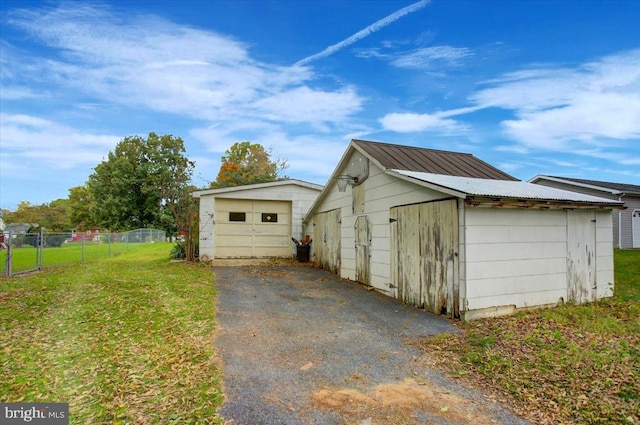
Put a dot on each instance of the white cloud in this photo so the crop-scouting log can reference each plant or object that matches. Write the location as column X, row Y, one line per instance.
column 596, row 104
column 27, row 138
column 434, row 57
column 314, row 155
column 148, row 62
column 591, row 110
column 303, row 104
column 410, row 122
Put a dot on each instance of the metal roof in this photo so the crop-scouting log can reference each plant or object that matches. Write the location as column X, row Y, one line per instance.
column 492, row 188
column 412, row 158
column 596, row 184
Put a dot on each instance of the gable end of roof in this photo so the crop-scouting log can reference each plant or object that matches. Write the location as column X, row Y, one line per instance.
column 411, row 158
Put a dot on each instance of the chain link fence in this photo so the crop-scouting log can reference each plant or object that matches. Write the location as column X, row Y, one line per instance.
column 26, row 252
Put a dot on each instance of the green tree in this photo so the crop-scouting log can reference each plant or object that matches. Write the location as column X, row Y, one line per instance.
column 80, row 207
column 247, row 163
column 140, row 184
column 53, row 216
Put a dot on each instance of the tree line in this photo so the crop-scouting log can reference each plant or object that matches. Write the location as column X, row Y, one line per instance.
column 146, row 182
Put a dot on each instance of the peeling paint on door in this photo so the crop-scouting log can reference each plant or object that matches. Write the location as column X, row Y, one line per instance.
column 424, row 245
column 581, row 256
column 326, row 240
column 363, row 246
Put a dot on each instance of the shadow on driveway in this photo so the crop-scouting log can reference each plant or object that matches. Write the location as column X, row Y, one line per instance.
column 298, row 345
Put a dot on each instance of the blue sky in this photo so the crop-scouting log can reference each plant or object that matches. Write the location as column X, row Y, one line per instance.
column 530, row 87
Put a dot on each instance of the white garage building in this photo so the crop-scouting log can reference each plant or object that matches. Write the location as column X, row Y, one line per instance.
column 253, row 221
column 450, row 233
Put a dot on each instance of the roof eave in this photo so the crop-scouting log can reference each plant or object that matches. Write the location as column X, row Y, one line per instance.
column 491, row 201
column 574, row 183
column 200, row 193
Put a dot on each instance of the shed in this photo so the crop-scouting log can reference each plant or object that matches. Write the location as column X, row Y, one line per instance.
column 450, row 233
column 626, row 222
column 253, row 221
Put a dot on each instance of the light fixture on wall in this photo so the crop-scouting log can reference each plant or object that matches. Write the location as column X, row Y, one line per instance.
column 344, row 180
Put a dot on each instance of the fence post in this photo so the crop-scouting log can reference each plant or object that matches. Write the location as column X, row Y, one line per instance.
column 8, row 264
column 108, row 243
column 42, row 245
column 37, row 250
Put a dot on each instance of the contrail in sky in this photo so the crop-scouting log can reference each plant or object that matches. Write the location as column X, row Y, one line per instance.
column 365, row 32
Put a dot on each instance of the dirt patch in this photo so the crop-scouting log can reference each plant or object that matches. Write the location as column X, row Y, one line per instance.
column 398, row 403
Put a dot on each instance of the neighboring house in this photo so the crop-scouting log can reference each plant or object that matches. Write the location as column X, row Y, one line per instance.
column 85, row 235
column 452, row 234
column 626, row 223
column 253, row 221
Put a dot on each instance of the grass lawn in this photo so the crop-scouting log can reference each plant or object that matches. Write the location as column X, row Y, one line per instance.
column 572, row 364
column 124, row 340
column 25, row 258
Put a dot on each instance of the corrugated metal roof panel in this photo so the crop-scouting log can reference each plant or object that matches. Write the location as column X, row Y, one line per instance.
column 504, row 188
column 430, row 161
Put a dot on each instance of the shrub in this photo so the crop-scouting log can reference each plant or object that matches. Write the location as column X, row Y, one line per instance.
column 179, row 251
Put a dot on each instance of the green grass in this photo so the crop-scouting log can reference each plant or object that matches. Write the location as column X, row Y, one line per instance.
column 124, row 340
column 571, row 364
column 25, row 258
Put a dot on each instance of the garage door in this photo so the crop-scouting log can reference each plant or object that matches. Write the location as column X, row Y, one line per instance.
column 424, row 245
column 248, row 228
column 326, row 237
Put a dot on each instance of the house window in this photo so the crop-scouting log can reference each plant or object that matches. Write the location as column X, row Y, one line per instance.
column 269, row 218
column 237, row 216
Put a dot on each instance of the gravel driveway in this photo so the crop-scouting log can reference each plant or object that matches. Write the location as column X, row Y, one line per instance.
column 298, row 345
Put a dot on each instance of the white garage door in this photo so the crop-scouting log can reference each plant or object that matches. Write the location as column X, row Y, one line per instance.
column 248, row 228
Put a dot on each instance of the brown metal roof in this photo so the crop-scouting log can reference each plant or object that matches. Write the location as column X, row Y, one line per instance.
column 430, row 161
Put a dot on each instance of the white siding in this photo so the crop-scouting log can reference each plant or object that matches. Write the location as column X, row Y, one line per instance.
column 381, row 193
column 514, row 257
column 508, row 257
column 621, row 226
column 626, row 219
column 604, row 254
column 302, row 198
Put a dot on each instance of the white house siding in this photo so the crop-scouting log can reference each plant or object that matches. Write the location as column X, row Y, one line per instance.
column 381, row 192
column 302, row 198
column 632, row 203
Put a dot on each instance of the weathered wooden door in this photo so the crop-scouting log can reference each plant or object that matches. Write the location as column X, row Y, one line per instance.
column 581, row 256
column 405, row 254
column 326, row 240
column 424, row 255
column 363, row 247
